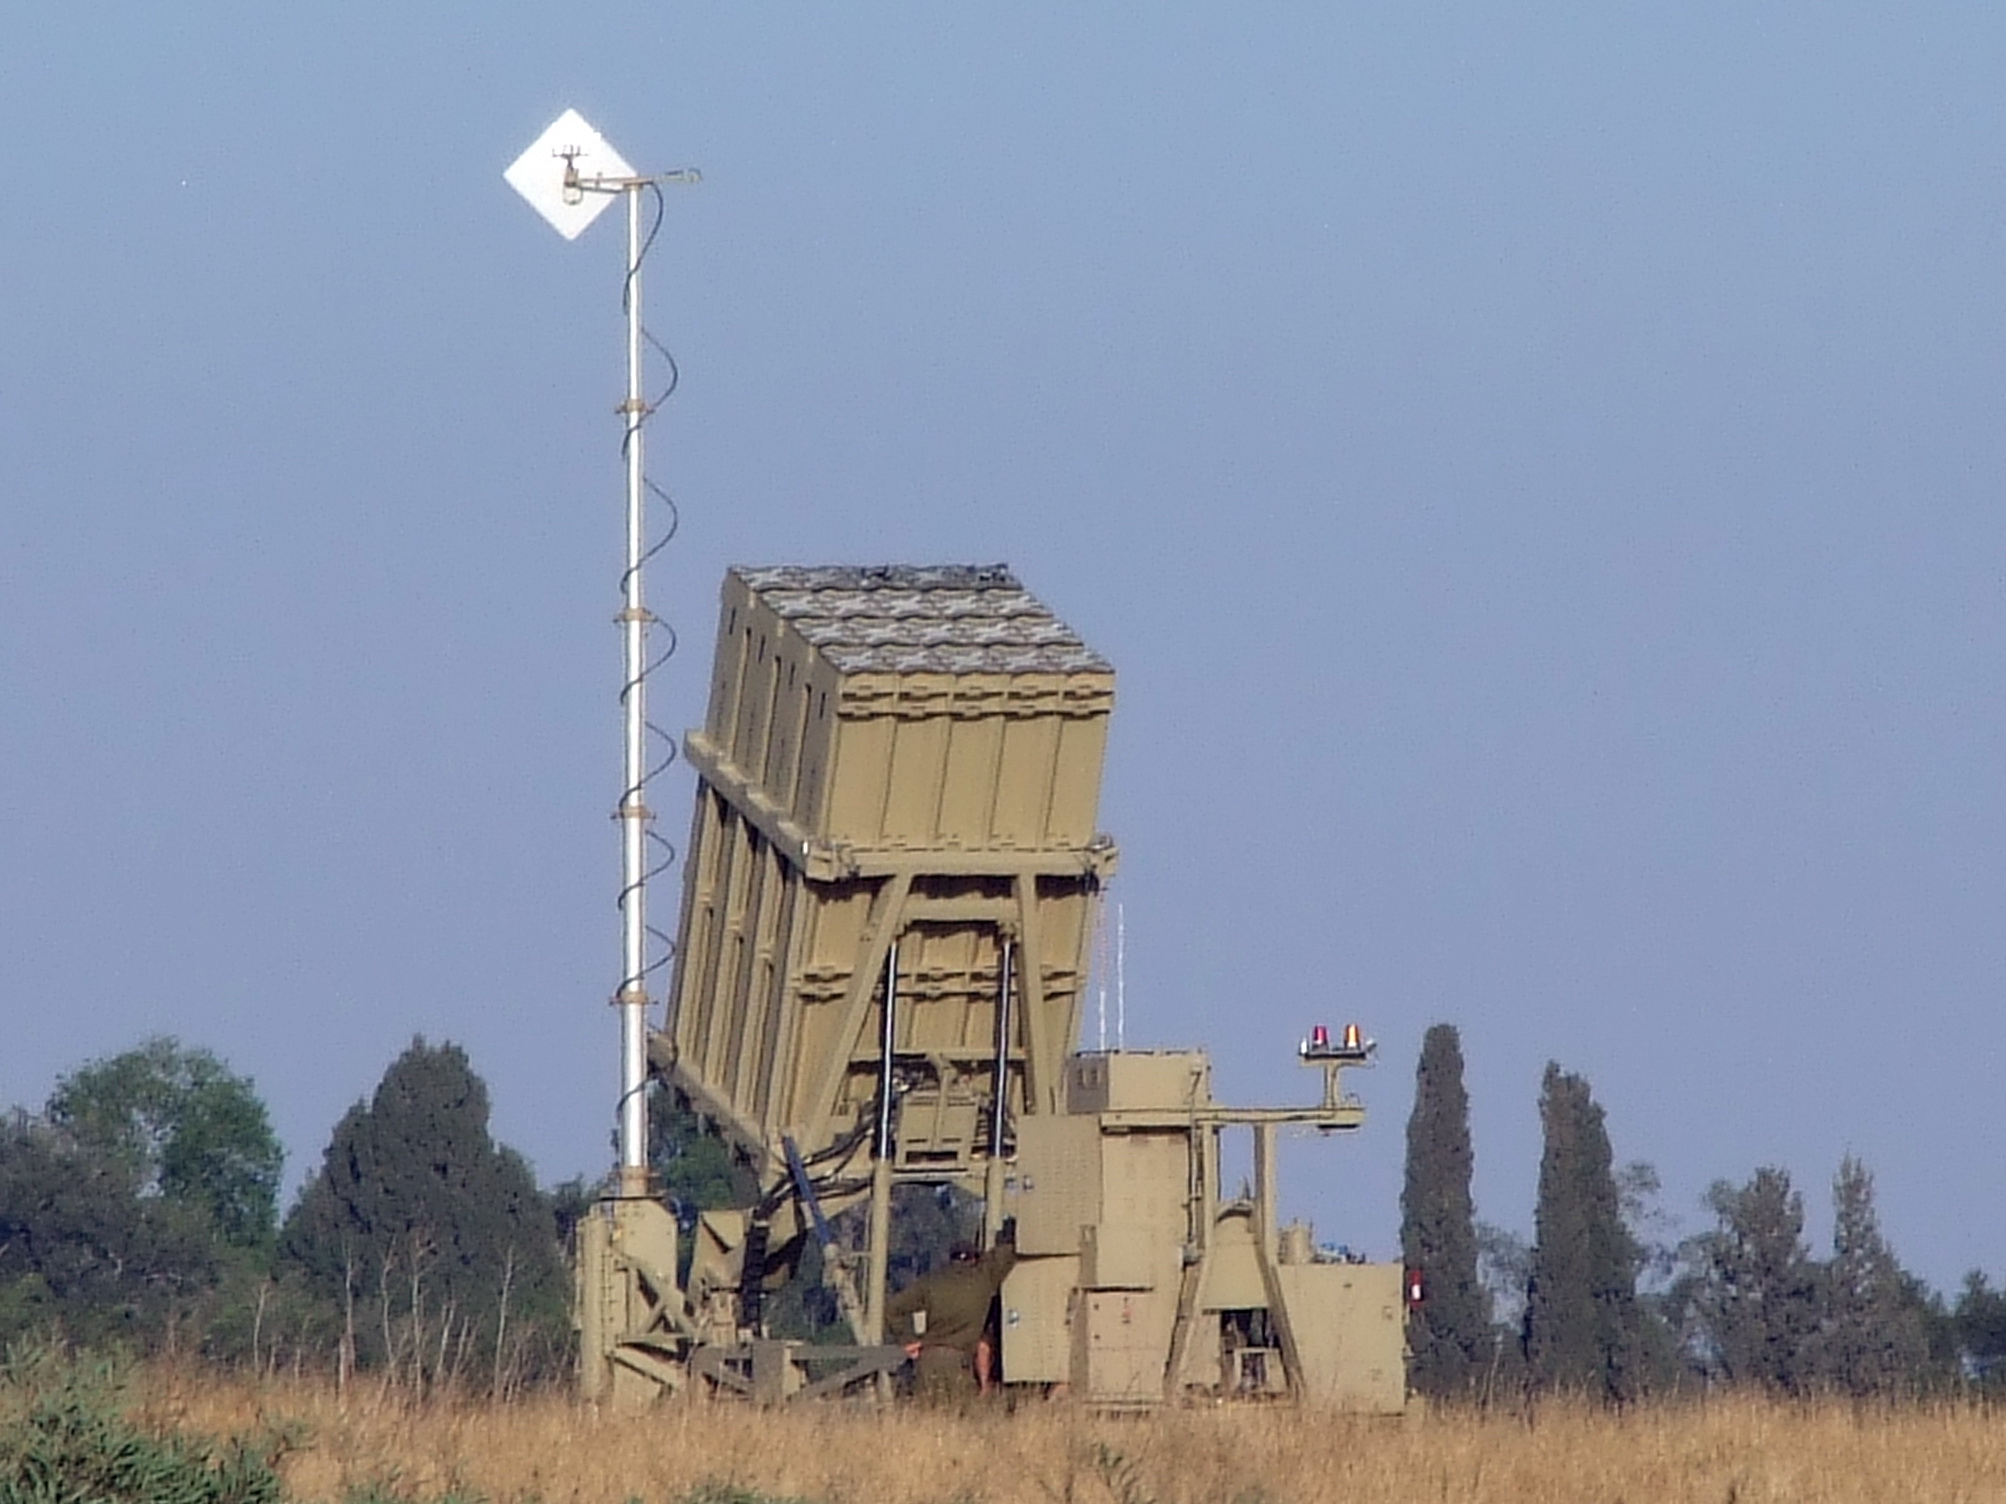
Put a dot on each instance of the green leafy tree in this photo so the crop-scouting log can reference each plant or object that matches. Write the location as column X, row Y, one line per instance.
column 1449, row 1335
column 185, row 1128
column 927, row 1222
column 1978, row 1322
column 570, row 1203
column 1581, row 1315
column 83, row 1251
column 1653, row 1234
column 1504, row 1263
column 428, row 1243
column 1753, row 1293
column 696, row 1167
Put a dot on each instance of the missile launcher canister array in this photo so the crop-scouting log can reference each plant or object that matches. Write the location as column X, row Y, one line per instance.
column 907, row 755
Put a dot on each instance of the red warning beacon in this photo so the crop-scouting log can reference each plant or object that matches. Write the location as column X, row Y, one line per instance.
column 1351, row 1048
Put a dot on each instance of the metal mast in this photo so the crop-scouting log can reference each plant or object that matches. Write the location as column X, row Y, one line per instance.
column 633, row 814
column 569, row 175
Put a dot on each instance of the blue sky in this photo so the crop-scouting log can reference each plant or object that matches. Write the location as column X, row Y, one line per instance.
column 1535, row 468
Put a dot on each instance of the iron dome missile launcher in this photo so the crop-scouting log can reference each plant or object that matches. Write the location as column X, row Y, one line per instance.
column 890, row 893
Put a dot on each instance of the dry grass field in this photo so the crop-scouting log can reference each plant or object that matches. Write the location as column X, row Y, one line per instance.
column 1726, row 1452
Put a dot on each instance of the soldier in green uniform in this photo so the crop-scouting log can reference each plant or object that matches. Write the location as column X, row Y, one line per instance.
column 940, row 1318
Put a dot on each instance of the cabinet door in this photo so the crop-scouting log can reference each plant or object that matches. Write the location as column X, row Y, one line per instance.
column 1037, row 1309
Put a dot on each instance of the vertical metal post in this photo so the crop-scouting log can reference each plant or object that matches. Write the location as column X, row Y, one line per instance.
column 1264, row 1188
column 879, row 1261
column 877, row 1266
column 993, row 1177
column 1002, row 1077
column 887, row 1041
column 1266, row 1210
column 633, row 812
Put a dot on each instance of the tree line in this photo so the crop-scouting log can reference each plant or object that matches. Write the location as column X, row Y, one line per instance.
column 139, row 1208
column 1604, row 1303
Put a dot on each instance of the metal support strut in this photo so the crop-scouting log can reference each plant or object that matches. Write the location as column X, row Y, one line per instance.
column 878, row 1267
column 994, row 1171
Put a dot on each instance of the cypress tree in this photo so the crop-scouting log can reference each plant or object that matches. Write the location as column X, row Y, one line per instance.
column 1581, row 1317
column 430, row 1241
column 1448, row 1335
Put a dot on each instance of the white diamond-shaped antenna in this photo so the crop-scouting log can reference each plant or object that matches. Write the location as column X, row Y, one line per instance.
column 539, row 174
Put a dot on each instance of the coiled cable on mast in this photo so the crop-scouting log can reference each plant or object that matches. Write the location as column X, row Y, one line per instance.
column 661, row 849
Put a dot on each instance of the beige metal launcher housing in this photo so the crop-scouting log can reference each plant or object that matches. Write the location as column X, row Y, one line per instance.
column 1143, row 1281
column 889, row 899
column 891, row 755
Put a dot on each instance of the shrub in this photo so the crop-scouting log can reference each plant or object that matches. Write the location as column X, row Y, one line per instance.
column 65, row 1438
